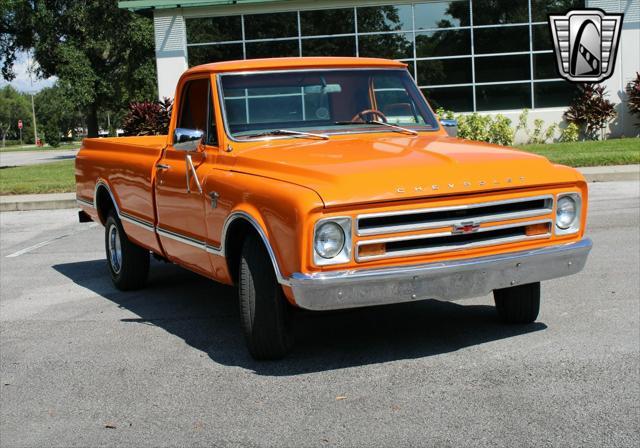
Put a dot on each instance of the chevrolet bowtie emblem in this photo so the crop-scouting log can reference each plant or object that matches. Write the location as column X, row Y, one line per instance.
column 465, row 227
column 586, row 43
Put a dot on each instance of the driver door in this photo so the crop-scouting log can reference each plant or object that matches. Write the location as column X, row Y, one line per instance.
column 180, row 198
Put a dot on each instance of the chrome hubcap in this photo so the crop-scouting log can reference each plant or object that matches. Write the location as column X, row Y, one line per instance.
column 115, row 250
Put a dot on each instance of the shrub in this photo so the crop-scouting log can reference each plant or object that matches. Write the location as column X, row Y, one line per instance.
column 52, row 134
column 483, row 128
column 570, row 134
column 539, row 135
column 148, row 118
column 633, row 92
column 590, row 110
column 500, row 131
column 443, row 114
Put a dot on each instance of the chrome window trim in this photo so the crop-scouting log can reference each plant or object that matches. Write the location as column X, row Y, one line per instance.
column 225, row 123
column 448, row 222
column 447, row 248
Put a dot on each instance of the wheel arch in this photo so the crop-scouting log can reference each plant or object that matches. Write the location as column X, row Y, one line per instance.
column 104, row 201
column 236, row 228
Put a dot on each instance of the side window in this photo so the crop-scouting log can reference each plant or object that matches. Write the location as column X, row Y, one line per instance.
column 193, row 110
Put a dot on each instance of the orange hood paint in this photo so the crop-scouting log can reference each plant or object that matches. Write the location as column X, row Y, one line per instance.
column 370, row 168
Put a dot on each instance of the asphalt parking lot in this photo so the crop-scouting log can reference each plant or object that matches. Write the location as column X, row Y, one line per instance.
column 82, row 364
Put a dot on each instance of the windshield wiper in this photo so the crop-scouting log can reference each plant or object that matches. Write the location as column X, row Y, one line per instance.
column 290, row 132
column 380, row 123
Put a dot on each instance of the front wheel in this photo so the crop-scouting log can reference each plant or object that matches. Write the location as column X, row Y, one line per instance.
column 518, row 304
column 128, row 263
column 264, row 312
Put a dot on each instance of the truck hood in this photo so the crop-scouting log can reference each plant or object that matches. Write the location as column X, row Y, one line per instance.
column 349, row 170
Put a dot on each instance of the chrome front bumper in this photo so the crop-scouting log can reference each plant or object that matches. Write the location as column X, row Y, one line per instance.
column 448, row 280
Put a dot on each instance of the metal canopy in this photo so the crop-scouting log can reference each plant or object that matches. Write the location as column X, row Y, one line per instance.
column 137, row 5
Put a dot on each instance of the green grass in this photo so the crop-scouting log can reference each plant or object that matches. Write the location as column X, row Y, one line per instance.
column 620, row 151
column 55, row 177
column 62, row 147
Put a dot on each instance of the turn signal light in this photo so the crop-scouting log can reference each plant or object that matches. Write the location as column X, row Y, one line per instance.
column 370, row 250
column 537, row 229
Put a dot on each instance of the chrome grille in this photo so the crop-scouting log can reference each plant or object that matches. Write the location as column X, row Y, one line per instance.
column 433, row 218
column 453, row 228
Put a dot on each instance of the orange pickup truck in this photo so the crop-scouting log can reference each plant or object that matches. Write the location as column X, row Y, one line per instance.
column 328, row 183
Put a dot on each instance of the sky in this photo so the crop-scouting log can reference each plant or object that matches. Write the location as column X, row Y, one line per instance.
column 22, row 81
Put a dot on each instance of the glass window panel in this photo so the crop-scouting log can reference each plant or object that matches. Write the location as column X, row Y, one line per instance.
column 540, row 8
column 503, row 68
column 214, row 29
column 542, row 37
column 491, row 12
column 506, row 39
column 410, row 68
column 554, row 94
column 236, row 110
column 385, row 18
column 457, row 99
column 503, row 97
column 265, row 26
column 544, row 66
column 443, row 43
column 444, row 71
column 272, row 49
column 204, row 54
column 441, row 14
column 330, row 46
column 390, row 46
column 327, row 21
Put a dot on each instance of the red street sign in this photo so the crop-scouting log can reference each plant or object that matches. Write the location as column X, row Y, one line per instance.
column 19, row 124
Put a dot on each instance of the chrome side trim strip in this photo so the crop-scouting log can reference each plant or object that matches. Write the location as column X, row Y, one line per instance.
column 381, row 230
column 137, row 221
column 446, row 280
column 452, row 247
column 181, row 238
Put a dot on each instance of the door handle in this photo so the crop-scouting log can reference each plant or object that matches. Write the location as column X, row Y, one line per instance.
column 162, row 166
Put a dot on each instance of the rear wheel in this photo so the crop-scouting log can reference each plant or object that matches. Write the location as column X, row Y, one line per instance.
column 264, row 312
column 518, row 304
column 128, row 263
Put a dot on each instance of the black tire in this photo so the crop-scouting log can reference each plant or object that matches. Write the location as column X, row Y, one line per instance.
column 265, row 314
column 130, row 269
column 518, row 304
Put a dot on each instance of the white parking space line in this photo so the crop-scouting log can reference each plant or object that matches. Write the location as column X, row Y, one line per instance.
column 44, row 243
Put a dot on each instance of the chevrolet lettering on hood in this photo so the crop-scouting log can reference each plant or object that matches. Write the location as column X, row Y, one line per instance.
column 465, row 184
column 328, row 183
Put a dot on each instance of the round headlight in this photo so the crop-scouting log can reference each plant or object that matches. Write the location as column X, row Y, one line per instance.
column 566, row 212
column 329, row 240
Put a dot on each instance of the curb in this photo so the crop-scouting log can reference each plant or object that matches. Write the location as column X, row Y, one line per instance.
column 68, row 200
column 37, row 202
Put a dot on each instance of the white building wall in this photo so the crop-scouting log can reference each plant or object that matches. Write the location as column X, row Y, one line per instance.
column 171, row 49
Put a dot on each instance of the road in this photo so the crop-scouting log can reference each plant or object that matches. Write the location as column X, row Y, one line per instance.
column 85, row 365
column 20, row 158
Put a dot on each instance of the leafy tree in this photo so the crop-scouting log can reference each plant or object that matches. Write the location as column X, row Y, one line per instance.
column 13, row 107
column 102, row 55
column 56, row 113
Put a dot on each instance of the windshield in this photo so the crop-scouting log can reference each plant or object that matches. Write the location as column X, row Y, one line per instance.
column 326, row 101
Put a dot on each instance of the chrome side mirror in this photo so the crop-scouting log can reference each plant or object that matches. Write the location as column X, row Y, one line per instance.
column 451, row 126
column 187, row 139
